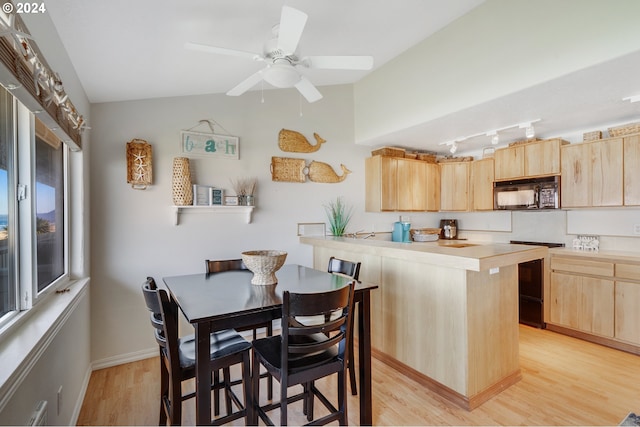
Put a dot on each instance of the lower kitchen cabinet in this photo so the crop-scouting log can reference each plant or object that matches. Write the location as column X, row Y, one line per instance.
column 596, row 306
column 583, row 303
column 596, row 295
column 564, row 299
column 627, row 314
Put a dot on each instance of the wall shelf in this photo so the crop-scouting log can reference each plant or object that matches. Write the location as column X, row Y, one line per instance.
column 238, row 210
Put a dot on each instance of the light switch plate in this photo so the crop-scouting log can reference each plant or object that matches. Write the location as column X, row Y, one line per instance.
column 636, row 229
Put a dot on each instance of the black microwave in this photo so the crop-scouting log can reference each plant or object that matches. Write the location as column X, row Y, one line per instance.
column 527, row 194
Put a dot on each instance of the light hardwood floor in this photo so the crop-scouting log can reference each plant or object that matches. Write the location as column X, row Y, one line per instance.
column 565, row 381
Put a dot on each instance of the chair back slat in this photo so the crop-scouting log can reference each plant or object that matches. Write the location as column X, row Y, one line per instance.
column 346, row 268
column 219, row 266
column 169, row 312
column 309, row 340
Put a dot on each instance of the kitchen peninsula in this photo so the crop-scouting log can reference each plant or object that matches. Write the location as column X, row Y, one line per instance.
column 447, row 311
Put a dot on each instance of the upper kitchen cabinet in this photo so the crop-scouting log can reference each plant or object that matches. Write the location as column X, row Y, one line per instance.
column 381, row 181
column 454, row 186
column 481, row 183
column 509, row 162
column 539, row 158
column 419, row 186
column 632, row 170
column 591, row 174
column 395, row 184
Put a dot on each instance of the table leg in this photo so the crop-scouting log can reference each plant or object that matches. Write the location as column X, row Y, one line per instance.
column 364, row 350
column 203, row 374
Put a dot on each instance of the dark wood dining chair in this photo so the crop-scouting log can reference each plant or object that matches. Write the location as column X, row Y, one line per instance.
column 177, row 360
column 351, row 269
column 220, row 266
column 305, row 353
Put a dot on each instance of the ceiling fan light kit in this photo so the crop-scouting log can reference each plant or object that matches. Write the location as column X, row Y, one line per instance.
column 283, row 64
column 282, row 75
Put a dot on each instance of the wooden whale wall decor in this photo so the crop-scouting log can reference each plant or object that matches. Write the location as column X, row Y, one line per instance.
column 285, row 169
column 295, row 170
column 323, row 172
column 295, row 142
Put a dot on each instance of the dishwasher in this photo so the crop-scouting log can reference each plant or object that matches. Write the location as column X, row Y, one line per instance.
column 531, row 287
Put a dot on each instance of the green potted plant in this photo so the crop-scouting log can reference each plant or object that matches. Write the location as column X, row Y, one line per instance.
column 339, row 214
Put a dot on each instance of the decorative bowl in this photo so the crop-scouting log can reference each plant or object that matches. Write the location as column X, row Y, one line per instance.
column 263, row 265
column 425, row 234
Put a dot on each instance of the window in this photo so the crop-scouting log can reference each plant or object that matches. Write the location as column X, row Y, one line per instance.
column 8, row 290
column 33, row 224
column 49, row 197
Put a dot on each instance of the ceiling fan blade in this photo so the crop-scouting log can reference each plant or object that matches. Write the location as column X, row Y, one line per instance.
column 223, row 51
column 308, row 90
column 339, row 62
column 292, row 22
column 246, row 84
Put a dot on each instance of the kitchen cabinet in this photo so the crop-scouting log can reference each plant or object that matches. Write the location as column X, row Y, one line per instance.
column 591, row 174
column 596, row 296
column 509, row 162
column 381, row 181
column 418, row 185
column 583, row 303
column 454, row 186
column 481, row 182
column 632, row 170
column 394, row 184
column 563, row 299
column 543, row 158
column 532, row 159
column 627, row 315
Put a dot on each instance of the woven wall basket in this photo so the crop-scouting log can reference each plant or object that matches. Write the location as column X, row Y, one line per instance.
column 181, row 188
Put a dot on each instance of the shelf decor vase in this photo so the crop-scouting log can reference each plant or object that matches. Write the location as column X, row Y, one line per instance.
column 181, row 188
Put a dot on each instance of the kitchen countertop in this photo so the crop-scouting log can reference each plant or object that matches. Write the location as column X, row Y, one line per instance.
column 460, row 254
column 612, row 256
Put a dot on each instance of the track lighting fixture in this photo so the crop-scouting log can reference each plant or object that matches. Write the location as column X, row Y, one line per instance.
column 530, row 132
column 493, row 134
column 495, row 138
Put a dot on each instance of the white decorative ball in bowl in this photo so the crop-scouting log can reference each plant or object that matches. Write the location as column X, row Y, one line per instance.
column 263, row 265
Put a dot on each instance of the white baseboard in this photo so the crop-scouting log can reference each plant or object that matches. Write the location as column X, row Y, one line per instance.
column 78, row 406
column 124, row 358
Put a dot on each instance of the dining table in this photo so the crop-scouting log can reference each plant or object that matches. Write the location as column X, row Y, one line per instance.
column 227, row 300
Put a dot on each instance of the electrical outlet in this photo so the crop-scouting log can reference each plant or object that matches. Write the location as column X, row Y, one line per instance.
column 636, row 229
column 59, row 400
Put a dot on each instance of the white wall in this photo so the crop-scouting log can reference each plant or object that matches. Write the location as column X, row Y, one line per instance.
column 61, row 358
column 500, row 47
column 133, row 235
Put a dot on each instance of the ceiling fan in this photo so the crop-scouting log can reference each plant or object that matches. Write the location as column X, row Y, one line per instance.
column 283, row 64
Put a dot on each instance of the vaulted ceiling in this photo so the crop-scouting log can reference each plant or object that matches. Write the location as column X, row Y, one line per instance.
column 126, row 50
